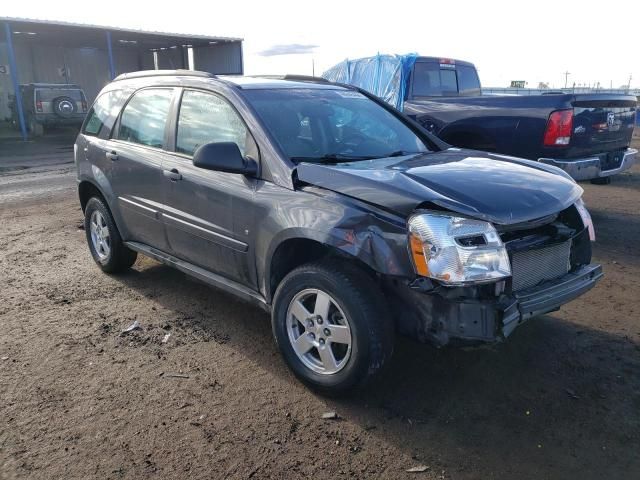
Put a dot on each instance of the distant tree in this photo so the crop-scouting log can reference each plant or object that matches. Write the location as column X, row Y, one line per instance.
column 543, row 85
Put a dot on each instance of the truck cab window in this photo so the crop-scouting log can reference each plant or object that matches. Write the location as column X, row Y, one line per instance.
column 426, row 80
column 468, row 81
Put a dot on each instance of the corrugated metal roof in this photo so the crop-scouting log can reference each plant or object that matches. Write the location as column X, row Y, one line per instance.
column 35, row 21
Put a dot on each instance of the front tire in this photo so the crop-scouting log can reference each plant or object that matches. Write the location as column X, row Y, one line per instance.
column 105, row 243
column 332, row 326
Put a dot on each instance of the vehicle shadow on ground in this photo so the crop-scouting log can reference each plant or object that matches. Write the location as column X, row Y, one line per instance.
column 543, row 395
column 613, row 242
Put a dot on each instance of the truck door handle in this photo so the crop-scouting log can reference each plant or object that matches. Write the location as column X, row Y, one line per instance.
column 112, row 155
column 173, row 174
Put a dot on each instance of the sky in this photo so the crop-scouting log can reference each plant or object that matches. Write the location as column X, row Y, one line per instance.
column 506, row 40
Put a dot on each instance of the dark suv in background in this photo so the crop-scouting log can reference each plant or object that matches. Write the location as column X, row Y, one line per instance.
column 340, row 216
column 49, row 104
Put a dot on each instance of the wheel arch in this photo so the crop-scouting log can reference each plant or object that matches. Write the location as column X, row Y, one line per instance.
column 88, row 189
column 299, row 246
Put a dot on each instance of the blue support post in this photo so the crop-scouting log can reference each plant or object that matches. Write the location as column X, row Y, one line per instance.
column 112, row 67
column 14, row 80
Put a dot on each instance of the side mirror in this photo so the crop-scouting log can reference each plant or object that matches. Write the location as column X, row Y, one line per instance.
column 223, row 157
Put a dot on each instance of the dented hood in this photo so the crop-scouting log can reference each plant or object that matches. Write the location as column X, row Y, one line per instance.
column 499, row 189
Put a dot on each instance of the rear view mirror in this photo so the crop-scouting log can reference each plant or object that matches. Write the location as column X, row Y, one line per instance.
column 224, row 157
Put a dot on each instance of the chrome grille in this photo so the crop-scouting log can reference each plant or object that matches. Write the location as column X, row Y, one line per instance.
column 531, row 267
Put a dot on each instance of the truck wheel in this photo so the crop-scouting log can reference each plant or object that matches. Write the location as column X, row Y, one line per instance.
column 601, row 181
column 332, row 326
column 105, row 243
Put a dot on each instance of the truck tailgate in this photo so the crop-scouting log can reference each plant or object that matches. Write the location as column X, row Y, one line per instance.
column 602, row 123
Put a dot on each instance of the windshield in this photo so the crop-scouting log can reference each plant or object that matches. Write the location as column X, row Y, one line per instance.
column 326, row 125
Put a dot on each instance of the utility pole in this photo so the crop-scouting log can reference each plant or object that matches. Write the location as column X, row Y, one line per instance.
column 313, row 67
column 566, row 78
column 629, row 82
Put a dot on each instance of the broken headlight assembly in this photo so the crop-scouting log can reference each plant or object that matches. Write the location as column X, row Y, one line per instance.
column 456, row 250
column 586, row 219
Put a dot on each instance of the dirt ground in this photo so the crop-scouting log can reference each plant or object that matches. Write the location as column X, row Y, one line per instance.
column 78, row 400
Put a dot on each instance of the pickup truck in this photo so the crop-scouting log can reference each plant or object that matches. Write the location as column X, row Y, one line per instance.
column 587, row 135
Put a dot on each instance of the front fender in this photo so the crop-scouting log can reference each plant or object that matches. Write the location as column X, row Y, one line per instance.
column 357, row 230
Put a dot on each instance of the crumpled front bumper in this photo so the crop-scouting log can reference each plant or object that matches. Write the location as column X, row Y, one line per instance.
column 439, row 320
column 592, row 167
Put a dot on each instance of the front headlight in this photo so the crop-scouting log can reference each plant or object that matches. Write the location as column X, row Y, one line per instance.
column 457, row 250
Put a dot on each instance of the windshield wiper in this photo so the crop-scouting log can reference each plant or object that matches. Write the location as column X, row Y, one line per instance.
column 399, row 153
column 332, row 158
column 339, row 157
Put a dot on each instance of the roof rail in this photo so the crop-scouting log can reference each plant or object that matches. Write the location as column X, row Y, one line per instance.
column 159, row 73
column 305, row 78
column 294, row 78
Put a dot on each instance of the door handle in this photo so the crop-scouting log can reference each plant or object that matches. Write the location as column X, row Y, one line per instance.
column 112, row 155
column 173, row 174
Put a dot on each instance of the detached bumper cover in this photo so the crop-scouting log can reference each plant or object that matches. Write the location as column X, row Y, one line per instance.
column 597, row 166
column 444, row 321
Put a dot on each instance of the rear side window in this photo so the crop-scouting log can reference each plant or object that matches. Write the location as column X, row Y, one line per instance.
column 103, row 113
column 144, row 118
column 206, row 118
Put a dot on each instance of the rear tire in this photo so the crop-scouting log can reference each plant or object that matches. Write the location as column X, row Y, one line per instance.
column 601, row 181
column 338, row 347
column 105, row 243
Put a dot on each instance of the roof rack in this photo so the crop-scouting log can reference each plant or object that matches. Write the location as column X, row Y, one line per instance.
column 167, row 73
column 294, row 78
column 305, row 78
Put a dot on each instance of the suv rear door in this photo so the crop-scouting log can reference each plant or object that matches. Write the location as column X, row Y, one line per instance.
column 208, row 214
column 135, row 154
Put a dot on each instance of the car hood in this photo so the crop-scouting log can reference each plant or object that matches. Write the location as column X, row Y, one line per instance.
column 496, row 188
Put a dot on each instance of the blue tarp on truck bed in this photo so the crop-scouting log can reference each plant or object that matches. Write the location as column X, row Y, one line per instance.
column 383, row 75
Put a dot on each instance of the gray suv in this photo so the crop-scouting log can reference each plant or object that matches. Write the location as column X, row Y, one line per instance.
column 331, row 210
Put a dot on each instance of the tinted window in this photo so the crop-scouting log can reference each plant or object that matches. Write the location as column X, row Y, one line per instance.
column 448, row 82
column 468, row 81
column 426, row 80
column 103, row 112
column 430, row 80
column 331, row 125
column 206, row 118
column 145, row 116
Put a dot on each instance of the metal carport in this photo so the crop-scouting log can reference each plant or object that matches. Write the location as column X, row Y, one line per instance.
column 90, row 55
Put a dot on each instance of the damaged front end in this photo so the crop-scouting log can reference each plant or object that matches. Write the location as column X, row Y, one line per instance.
column 477, row 283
